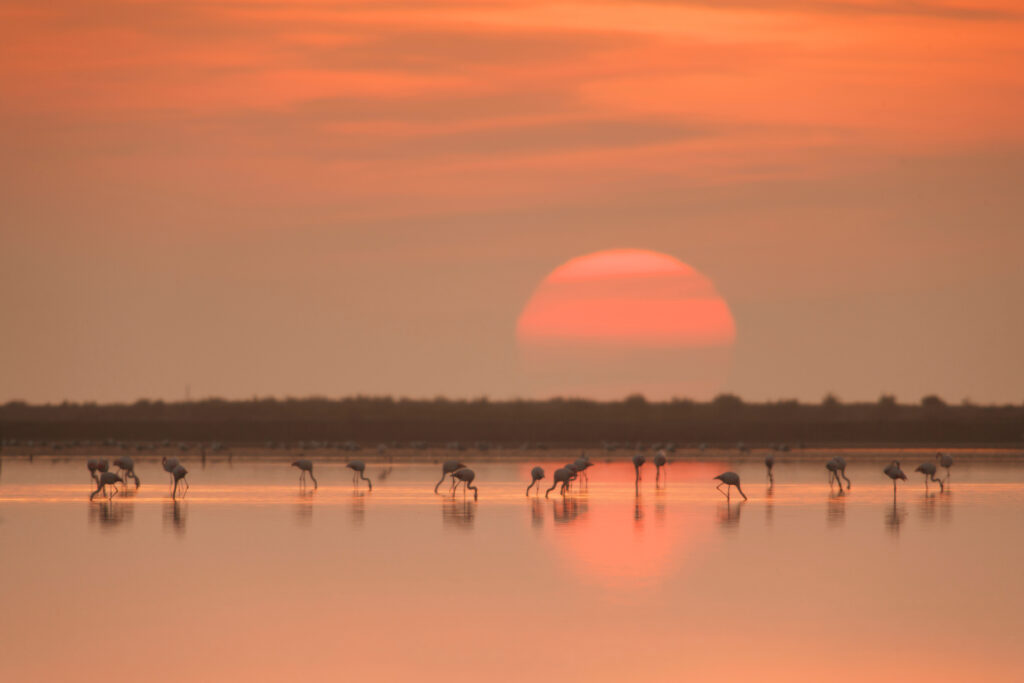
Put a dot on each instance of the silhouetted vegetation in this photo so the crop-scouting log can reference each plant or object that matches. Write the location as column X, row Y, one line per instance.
column 372, row 420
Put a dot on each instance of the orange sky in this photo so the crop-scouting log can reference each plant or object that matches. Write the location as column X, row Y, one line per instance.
column 320, row 197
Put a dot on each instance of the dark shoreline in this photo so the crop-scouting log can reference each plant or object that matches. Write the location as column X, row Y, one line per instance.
column 481, row 424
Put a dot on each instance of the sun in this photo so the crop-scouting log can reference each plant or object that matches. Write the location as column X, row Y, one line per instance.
column 623, row 321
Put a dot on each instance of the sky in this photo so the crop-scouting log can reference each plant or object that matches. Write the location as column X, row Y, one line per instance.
column 298, row 198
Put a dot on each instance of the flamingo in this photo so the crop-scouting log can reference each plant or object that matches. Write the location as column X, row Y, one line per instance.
column 894, row 472
column 169, row 464
column 769, row 462
column 305, row 466
column 574, row 472
column 127, row 467
column 561, row 476
column 465, row 476
column 449, row 467
column 660, row 460
column 946, row 460
column 582, row 464
column 179, row 475
column 95, row 466
column 837, row 467
column 928, row 470
column 536, row 474
column 107, row 479
column 730, row 479
column 638, row 461
column 358, row 468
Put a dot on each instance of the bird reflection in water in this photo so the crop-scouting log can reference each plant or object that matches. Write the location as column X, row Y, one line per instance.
column 894, row 516
column 659, row 505
column 568, row 510
column 304, row 507
column 108, row 514
column 358, row 506
column 537, row 513
column 638, row 511
column 175, row 516
column 458, row 513
column 936, row 506
column 836, row 508
column 729, row 514
column 769, row 504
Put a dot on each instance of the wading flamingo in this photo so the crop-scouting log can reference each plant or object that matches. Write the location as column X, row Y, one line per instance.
column 107, row 479
column 179, row 475
column 358, row 467
column 304, row 467
column 729, row 479
column 449, row 467
column 127, row 467
column 465, row 476
column 536, row 474
column 928, row 469
column 561, row 476
column 894, row 472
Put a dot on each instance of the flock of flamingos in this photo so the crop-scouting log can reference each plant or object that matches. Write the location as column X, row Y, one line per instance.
column 107, row 481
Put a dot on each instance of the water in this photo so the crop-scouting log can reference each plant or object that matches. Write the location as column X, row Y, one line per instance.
column 248, row 578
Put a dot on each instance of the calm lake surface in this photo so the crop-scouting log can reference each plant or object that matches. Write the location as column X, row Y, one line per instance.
column 250, row 578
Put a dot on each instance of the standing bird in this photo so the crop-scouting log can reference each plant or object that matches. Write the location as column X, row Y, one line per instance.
column 95, row 466
column 537, row 473
column 127, row 467
column 946, row 460
column 638, row 461
column 449, row 467
column 928, row 469
column 582, row 464
column 107, row 479
column 769, row 462
column 465, row 476
column 574, row 473
column 179, row 475
column 561, row 476
column 730, row 479
column 894, row 472
column 358, row 467
column 305, row 466
column 837, row 467
column 660, row 460
column 169, row 464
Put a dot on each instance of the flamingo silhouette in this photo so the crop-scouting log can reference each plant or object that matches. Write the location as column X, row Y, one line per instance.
column 127, row 467
column 837, row 467
column 638, row 461
column 179, row 475
column 107, row 479
column 894, row 472
column 561, row 476
column 536, row 474
column 358, row 468
column 169, row 464
column 449, row 467
column 928, row 469
column 946, row 460
column 305, row 466
column 660, row 460
column 582, row 464
column 769, row 463
column 729, row 479
column 465, row 476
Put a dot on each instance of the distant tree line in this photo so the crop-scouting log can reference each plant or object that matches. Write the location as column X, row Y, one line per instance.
column 725, row 420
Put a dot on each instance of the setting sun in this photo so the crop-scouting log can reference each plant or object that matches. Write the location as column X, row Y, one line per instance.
column 600, row 318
